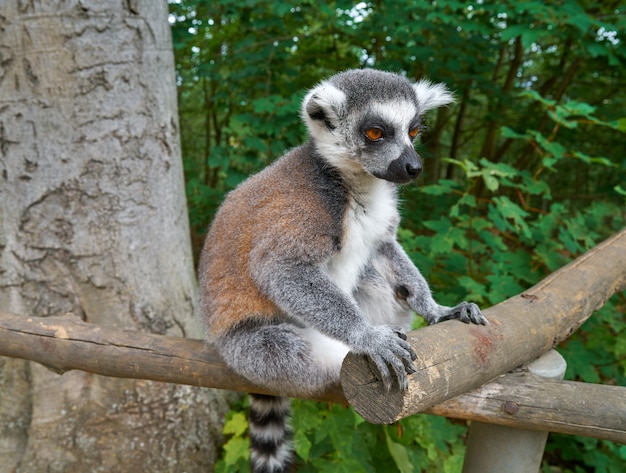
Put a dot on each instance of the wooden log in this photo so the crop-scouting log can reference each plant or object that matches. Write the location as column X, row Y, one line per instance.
column 63, row 344
column 453, row 358
column 527, row 401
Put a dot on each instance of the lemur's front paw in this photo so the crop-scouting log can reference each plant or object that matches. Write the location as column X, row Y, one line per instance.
column 389, row 352
column 467, row 312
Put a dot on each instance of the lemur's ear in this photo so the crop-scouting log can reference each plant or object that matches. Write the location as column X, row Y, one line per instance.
column 322, row 107
column 431, row 95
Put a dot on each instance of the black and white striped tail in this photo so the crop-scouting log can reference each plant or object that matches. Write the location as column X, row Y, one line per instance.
column 270, row 434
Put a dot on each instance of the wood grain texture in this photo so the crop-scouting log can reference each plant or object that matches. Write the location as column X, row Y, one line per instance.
column 524, row 400
column 66, row 343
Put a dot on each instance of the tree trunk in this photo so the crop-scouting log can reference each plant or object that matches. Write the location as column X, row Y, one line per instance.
column 93, row 224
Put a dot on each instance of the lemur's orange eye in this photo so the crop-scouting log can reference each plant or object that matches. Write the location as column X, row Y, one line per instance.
column 413, row 132
column 374, row 134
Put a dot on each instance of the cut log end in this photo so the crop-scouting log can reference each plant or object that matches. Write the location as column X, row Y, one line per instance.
column 454, row 358
column 366, row 393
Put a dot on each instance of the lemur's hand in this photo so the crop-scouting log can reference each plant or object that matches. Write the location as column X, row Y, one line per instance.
column 466, row 312
column 388, row 351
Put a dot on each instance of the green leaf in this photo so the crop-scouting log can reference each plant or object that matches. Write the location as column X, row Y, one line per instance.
column 492, row 240
column 507, row 132
column 235, row 450
column 575, row 107
column 569, row 242
column 440, row 226
column 468, row 166
column 236, row 425
column 502, row 287
column 620, row 190
column 340, row 423
column 442, row 187
column 491, row 182
column 498, row 169
column 302, row 445
column 578, row 364
column 467, row 200
column 218, row 158
column 235, row 178
column 255, row 143
column 620, row 346
column 456, row 162
column 473, row 287
column 556, row 150
column 399, row 454
column 535, row 96
column 562, row 119
column 511, row 211
column 590, row 160
column 535, row 186
column 358, row 420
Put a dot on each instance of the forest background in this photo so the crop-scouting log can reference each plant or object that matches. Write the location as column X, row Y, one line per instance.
column 524, row 173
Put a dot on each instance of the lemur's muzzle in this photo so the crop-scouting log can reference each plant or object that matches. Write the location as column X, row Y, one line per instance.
column 405, row 168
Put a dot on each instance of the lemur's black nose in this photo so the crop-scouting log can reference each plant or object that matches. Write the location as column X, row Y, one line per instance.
column 405, row 168
column 414, row 169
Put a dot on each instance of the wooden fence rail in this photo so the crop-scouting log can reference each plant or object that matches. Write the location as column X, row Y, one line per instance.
column 453, row 358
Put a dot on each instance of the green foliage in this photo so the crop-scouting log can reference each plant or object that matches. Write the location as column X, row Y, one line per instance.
column 332, row 438
column 242, row 70
column 236, row 453
column 524, row 174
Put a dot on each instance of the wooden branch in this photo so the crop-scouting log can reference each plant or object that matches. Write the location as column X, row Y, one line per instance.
column 454, row 358
column 63, row 344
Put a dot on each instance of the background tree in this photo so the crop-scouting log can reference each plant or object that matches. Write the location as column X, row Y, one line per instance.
column 524, row 173
column 93, row 225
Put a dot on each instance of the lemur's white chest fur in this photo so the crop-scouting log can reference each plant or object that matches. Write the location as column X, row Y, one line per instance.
column 371, row 217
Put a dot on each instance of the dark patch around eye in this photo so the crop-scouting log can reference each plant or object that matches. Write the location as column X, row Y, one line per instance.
column 376, row 123
column 402, row 292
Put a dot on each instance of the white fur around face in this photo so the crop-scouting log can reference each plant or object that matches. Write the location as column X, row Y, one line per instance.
column 329, row 142
column 337, row 151
column 431, row 95
column 400, row 114
column 327, row 97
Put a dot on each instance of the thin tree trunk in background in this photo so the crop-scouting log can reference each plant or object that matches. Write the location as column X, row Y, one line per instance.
column 93, row 223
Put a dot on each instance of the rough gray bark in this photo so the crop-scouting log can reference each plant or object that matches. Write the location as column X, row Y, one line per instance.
column 93, row 225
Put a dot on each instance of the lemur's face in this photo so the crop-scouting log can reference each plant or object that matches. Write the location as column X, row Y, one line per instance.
column 384, row 138
column 366, row 121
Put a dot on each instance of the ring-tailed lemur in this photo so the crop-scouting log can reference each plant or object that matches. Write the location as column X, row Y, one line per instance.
column 301, row 263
